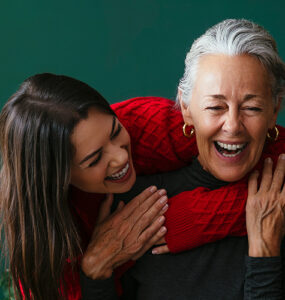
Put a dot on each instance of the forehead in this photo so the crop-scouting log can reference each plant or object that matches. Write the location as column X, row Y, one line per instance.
column 91, row 133
column 231, row 74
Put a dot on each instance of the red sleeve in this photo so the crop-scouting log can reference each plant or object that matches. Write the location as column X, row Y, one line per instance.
column 194, row 217
column 155, row 127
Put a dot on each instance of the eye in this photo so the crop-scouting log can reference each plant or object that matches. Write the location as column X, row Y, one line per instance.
column 117, row 132
column 94, row 162
column 252, row 108
column 214, row 107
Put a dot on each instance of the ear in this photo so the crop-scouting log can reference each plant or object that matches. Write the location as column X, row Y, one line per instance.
column 275, row 113
column 185, row 109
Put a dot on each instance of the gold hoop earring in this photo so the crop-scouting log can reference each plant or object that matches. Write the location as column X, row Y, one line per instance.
column 188, row 135
column 276, row 135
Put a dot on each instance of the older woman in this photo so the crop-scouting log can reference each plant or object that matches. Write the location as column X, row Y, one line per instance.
column 231, row 94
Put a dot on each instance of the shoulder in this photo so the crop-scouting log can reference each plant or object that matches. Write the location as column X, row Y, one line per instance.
column 150, row 106
column 137, row 102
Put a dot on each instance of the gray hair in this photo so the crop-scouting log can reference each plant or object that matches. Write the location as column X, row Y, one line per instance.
column 234, row 37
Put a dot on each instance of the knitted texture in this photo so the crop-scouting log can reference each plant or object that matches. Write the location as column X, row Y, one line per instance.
column 194, row 217
column 155, row 127
column 158, row 145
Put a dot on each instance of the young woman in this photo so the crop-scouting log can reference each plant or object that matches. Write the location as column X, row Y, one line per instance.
column 56, row 132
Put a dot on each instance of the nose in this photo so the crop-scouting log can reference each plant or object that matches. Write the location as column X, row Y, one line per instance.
column 118, row 156
column 233, row 123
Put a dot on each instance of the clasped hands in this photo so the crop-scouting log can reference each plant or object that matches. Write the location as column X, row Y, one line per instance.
column 125, row 234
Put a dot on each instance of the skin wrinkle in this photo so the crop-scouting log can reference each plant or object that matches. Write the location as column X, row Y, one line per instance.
column 231, row 79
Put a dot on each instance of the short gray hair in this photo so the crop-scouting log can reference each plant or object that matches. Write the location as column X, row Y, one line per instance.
column 235, row 37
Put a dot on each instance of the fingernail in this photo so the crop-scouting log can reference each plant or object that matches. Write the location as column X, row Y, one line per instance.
column 165, row 208
column 282, row 156
column 163, row 200
column 161, row 219
column 153, row 189
column 154, row 251
column 162, row 192
column 268, row 160
column 163, row 229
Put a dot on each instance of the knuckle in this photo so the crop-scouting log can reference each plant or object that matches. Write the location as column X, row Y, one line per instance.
column 145, row 219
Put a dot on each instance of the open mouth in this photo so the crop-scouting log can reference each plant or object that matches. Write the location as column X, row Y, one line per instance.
column 230, row 150
column 121, row 174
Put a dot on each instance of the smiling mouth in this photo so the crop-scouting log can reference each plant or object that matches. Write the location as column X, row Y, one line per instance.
column 119, row 175
column 230, row 150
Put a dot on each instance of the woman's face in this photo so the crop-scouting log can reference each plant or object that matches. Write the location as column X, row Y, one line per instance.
column 102, row 162
column 231, row 109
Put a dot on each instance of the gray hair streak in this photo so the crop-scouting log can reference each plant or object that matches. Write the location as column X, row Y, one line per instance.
column 235, row 37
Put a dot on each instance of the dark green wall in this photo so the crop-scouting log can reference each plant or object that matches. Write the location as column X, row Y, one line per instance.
column 122, row 48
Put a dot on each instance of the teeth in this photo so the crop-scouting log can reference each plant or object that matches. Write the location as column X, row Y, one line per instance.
column 231, row 146
column 231, row 155
column 120, row 174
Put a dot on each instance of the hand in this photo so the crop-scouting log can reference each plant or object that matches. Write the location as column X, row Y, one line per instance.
column 126, row 234
column 265, row 209
column 162, row 249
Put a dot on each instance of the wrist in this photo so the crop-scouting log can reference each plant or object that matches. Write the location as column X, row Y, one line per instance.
column 96, row 267
column 260, row 248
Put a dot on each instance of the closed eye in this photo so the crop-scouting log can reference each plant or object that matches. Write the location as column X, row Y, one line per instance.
column 117, row 132
column 252, row 108
column 214, row 107
column 94, row 162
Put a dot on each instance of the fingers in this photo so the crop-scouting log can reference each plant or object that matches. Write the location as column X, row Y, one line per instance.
column 139, row 200
column 153, row 213
column 147, row 209
column 151, row 235
column 105, row 208
column 266, row 175
column 120, row 206
column 252, row 183
column 160, row 250
column 278, row 177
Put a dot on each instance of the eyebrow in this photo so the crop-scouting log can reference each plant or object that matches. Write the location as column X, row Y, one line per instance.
column 97, row 151
column 222, row 97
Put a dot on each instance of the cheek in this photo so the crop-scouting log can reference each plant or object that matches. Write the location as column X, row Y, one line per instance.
column 90, row 177
column 126, row 139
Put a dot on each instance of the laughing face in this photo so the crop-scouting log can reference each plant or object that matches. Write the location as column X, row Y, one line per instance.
column 102, row 162
column 231, row 109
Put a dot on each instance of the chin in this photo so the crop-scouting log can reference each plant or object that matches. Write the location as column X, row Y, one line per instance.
column 230, row 176
column 126, row 187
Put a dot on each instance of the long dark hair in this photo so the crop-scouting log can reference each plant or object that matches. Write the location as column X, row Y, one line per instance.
column 35, row 128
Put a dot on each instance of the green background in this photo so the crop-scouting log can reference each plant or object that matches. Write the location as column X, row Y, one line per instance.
column 122, row 48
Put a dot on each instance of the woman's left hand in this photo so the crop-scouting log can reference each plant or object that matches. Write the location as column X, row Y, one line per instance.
column 265, row 218
column 162, row 247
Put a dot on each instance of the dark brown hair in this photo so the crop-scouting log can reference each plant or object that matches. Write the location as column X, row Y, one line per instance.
column 35, row 128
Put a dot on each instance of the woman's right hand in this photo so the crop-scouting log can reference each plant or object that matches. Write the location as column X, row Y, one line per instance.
column 125, row 234
column 265, row 210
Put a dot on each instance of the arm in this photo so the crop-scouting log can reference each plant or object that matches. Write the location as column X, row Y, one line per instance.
column 265, row 221
column 118, row 237
column 263, row 278
column 155, row 127
column 97, row 289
